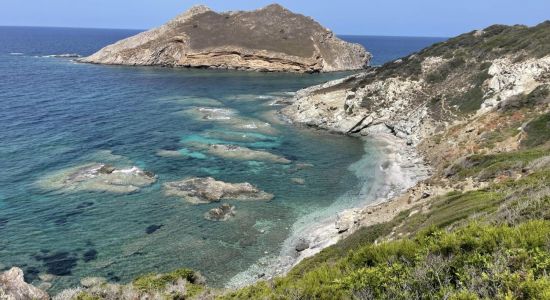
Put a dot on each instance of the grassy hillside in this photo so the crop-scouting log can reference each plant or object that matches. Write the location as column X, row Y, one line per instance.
column 491, row 243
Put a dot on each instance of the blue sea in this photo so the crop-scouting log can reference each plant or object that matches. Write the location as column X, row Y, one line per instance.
column 57, row 114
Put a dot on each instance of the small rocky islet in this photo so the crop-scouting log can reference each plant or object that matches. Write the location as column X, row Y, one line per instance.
column 268, row 39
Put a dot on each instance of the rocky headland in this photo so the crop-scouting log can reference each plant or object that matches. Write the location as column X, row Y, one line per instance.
column 271, row 39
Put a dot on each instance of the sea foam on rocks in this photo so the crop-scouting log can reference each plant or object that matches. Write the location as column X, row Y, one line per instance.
column 98, row 177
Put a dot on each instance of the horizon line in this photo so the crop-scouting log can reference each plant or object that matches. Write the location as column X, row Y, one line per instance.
column 141, row 30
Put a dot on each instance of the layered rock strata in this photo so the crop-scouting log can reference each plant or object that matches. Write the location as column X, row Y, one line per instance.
column 269, row 39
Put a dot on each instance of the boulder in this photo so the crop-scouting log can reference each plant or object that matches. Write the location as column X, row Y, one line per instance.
column 14, row 287
column 299, row 181
column 346, row 220
column 301, row 245
column 221, row 213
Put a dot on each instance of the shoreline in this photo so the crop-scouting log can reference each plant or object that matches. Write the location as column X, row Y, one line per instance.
column 399, row 168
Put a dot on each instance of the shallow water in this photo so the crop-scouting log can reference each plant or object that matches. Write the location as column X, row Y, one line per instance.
column 57, row 115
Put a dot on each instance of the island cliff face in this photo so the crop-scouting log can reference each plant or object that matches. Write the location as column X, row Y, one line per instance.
column 271, row 39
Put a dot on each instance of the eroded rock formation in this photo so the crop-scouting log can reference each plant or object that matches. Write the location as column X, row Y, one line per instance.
column 269, row 39
column 14, row 287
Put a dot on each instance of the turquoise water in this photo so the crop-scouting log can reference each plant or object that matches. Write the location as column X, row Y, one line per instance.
column 57, row 114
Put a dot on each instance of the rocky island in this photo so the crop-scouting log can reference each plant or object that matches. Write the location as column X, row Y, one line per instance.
column 271, row 39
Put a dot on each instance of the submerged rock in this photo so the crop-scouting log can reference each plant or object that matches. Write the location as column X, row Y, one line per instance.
column 153, row 228
column 99, row 177
column 299, row 181
column 191, row 100
column 213, row 113
column 229, row 118
column 88, row 282
column 268, row 39
column 301, row 245
column 221, row 213
column 206, row 190
column 240, row 136
column 181, row 153
column 13, row 286
column 243, row 153
column 168, row 153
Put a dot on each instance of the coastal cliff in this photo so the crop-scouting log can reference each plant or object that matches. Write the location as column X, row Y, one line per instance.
column 271, row 39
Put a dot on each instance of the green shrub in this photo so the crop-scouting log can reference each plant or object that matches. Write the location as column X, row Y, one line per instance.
column 489, row 166
column 85, row 296
column 538, row 132
column 472, row 262
column 157, row 282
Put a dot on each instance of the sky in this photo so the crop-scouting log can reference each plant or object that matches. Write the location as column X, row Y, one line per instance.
column 442, row 18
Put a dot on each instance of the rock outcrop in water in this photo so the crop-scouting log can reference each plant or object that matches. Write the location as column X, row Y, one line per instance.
column 243, row 153
column 221, row 213
column 14, row 287
column 99, row 177
column 269, row 39
column 206, row 190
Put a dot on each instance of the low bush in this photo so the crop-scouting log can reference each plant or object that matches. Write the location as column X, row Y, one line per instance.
column 472, row 262
column 157, row 282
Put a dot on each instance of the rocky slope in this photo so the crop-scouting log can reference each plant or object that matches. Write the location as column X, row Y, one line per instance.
column 452, row 82
column 462, row 104
column 477, row 108
column 269, row 39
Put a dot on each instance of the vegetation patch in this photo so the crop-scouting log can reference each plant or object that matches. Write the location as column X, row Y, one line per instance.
column 480, row 261
column 443, row 71
column 470, row 101
column 486, row 167
column 85, row 296
column 157, row 282
column 538, row 132
column 540, row 95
